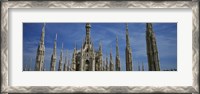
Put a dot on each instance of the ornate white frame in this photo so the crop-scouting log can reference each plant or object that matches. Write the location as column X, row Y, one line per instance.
column 5, row 88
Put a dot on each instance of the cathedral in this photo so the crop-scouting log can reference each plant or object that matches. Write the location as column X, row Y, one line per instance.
column 88, row 59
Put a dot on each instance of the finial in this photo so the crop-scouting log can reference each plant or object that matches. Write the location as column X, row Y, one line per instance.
column 82, row 43
column 116, row 38
column 88, row 25
column 31, row 60
column 44, row 26
column 62, row 45
column 56, row 37
column 68, row 59
column 149, row 25
column 75, row 44
column 110, row 48
column 99, row 42
column 100, row 45
column 127, row 26
column 106, row 54
column 66, row 53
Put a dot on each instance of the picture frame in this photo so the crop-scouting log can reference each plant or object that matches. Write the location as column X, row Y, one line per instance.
column 6, row 5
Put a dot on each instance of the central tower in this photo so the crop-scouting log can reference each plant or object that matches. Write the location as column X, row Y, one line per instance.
column 88, row 26
column 87, row 54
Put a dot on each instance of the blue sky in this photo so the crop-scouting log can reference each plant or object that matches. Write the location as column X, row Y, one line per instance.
column 69, row 33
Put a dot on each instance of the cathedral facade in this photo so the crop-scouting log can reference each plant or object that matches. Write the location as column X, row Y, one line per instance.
column 88, row 59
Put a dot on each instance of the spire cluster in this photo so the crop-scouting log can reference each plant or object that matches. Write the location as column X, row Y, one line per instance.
column 87, row 59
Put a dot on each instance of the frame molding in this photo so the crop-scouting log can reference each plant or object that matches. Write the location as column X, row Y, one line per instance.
column 5, row 88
